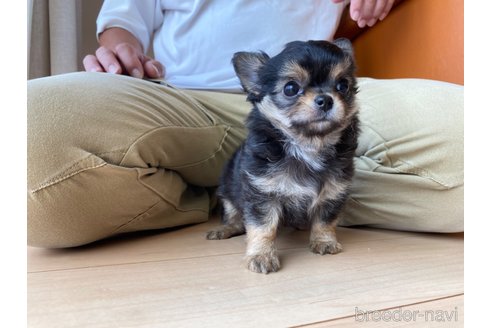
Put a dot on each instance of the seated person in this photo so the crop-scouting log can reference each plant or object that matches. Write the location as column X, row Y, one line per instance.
column 113, row 153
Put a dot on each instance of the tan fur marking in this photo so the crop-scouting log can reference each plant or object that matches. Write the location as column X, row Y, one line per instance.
column 323, row 238
column 293, row 71
column 304, row 110
column 280, row 121
column 260, row 239
column 323, row 232
column 261, row 254
column 339, row 69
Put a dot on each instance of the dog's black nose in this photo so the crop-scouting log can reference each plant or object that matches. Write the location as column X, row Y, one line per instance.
column 324, row 102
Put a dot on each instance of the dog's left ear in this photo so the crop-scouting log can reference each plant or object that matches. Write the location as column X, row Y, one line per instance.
column 247, row 66
column 345, row 45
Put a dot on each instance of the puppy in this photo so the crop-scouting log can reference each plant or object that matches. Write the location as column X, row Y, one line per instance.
column 296, row 164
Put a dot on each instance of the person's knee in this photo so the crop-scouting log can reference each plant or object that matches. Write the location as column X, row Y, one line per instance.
column 386, row 198
column 446, row 212
column 58, row 218
column 47, row 229
column 414, row 126
column 412, row 144
column 434, row 210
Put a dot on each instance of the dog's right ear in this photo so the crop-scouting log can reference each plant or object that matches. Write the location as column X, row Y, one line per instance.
column 247, row 66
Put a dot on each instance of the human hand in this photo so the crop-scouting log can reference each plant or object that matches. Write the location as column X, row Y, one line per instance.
column 121, row 53
column 368, row 12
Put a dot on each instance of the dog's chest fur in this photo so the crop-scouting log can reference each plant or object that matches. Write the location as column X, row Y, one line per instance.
column 301, row 181
column 305, row 182
column 302, row 176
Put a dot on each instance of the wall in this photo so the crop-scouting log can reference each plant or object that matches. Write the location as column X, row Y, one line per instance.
column 420, row 38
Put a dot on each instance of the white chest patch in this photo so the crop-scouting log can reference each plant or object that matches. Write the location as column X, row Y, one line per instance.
column 305, row 155
column 283, row 185
column 287, row 187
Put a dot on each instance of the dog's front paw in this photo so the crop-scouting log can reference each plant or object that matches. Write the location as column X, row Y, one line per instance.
column 325, row 247
column 263, row 263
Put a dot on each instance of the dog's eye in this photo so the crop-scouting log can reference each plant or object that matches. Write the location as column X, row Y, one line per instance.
column 291, row 89
column 342, row 86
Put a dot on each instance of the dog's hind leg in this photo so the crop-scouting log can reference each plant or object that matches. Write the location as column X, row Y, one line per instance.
column 232, row 223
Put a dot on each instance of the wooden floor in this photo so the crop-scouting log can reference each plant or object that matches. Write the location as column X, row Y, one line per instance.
column 178, row 279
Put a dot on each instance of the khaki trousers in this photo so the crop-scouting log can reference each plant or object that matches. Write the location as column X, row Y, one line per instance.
column 109, row 154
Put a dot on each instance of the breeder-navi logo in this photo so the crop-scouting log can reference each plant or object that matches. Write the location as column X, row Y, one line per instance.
column 398, row 315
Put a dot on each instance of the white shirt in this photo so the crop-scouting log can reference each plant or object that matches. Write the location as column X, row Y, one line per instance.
column 195, row 39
